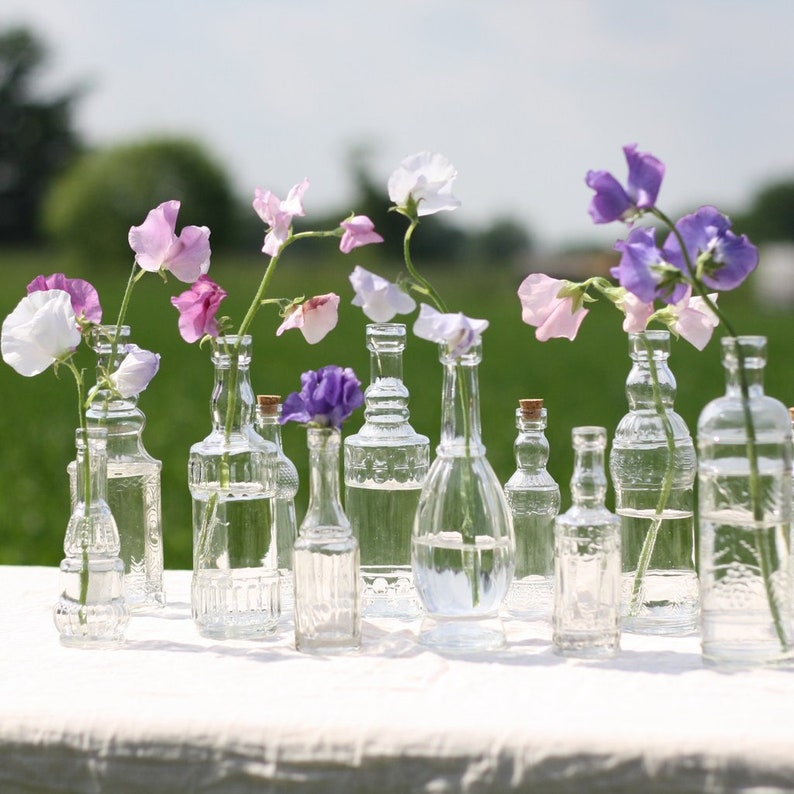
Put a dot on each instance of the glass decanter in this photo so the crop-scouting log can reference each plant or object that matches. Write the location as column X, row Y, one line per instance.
column 385, row 464
column 534, row 500
column 586, row 619
column 463, row 547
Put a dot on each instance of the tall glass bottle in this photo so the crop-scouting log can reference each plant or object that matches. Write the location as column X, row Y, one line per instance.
column 232, row 478
column 91, row 611
column 463, row 548
column 283, row 504
column 133, row 488
column 385, row 464
column 653, row 467
column 534, row 500
column 586, row 619
column 326, row 558
column 744, row 487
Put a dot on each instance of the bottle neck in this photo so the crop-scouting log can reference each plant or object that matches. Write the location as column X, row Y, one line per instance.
column 325, row 507
column 91, row 467
column 744, row 357
column 589, row 482
column 232, row 403
column 386, row 397
column 531, row 445
column 460, row 405
column 650, row 379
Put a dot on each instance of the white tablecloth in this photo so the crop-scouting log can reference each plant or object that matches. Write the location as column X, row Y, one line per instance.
column 171, row 712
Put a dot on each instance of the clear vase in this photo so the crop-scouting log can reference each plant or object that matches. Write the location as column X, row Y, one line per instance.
column 326, row 558
column 282, row 506
column 744, row 487
column 586, row 621
column 653, row 467
column 385, row 464
column 91, row 611
column 133, row 488
column 534, row 500
column 463, row 547
column 232, row 477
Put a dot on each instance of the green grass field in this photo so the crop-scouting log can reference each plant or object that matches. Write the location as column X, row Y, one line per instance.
column 582, row 382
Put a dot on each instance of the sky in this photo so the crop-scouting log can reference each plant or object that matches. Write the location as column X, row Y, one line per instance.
column 523, row 96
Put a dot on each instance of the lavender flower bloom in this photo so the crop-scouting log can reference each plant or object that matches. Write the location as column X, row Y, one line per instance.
column 723, row 259
column 327, row 397
column 643, row 270
column 612, row 202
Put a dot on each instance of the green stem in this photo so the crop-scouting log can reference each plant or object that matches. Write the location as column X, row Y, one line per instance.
column 425, row 287
column 125, row 302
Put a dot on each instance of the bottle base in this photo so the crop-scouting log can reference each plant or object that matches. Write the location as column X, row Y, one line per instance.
column 585, row 645
column 482, row 633
column 328, row 646
column 389, row 592
column 660, row 626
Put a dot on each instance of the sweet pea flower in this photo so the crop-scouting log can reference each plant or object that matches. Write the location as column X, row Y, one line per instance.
column 692, row 319
column 157, row 248
column 359, row 230
column 85, row 299
column 278, row 214
column 457, row 331
column 645, row 271
column 197, row 309
column 41, row 330
column 315, row 317
column 612, row 202
column 550, row 314
column 378, row 298
column 422, row 184
column 135, row 372
column 722, row 258
column 327, row 397
column 637, row 313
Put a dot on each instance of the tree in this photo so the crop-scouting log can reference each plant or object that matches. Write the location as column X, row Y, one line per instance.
column 771, row 215
column 36, row 136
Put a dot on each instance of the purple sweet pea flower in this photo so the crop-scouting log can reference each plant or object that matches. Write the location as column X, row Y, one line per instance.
column 726, row 258
column 612, row 202
column 327, row 397
column 359, row 230
column 644, row 271
column 85, row 299
column 197, row 309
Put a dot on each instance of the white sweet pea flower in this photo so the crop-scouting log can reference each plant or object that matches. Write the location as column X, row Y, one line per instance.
column 457, row 331
column 41, row 330
column 135, row 372
column 378, row 298
column 426, row 178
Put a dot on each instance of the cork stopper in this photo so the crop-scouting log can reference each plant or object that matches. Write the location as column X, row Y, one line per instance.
column 530, row 408
column 268, row 404
column 791, row 413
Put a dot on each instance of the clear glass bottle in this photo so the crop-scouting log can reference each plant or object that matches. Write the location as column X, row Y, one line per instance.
column 326, row 558
column 91, row 611
column 586, row 620
column 283, row 504
column 385, row 464
column 463, row 548
column 232, row 478
column 534, row 500
column 744, row 487
column 653, row 467
column 133, row 488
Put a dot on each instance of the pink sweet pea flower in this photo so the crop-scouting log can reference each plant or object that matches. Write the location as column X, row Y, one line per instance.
column 378, row 298
column 457, row 331
column 197, row 309
column 315, row 317
column 135, row 372
column 278, row 214
column 637, row 313
column 157, row 248
column 541, row 308
column 359, row 230
column 693, row 320
column 85, row 299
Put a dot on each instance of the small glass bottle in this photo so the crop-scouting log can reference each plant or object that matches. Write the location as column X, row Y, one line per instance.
column 326, row 559
column 534, row 500
column 91, row 611
column 385, row 464
column 586, row 621
column 283, row 504
column 133, row 488
column 744, row 488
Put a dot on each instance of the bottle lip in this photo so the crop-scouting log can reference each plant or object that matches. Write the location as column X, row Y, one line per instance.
column 753, row 349
column 658, row 340
column 589, row 437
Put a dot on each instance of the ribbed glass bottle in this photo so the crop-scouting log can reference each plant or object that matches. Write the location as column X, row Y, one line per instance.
column 744, row 487
column 653, row 467
column 232, row 477
column 91, row 611
column 385, row 464
column 326, row 558
column 534, row 500
column 463, row 549
column 586, row 619
column 133, row 488
column 283, row 503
